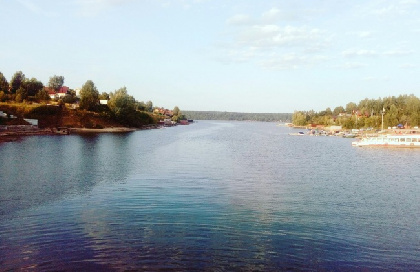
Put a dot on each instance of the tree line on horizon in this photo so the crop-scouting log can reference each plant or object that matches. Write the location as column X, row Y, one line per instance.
column 238, row 116
column 402, row 110
column 120, row 106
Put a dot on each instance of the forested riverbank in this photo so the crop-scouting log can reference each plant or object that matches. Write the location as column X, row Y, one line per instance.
column 238, row 116
column 392, row 111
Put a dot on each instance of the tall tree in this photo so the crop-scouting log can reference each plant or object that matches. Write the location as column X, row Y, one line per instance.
column 351, row 107
column 4, row 85
column 149, row 106
column 176, row 111
column 104, row 96
column 17, row 80
column 338, row 110
column 56, row 82
column 121, row 103
column 42, row 95
column 89, row 96
column 32, row 86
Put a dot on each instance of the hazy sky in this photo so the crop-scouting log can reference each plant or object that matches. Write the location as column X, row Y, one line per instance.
column 225, row 55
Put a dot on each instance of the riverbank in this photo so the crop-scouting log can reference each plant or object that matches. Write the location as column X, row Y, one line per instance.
column 16, row 135
column 102, row 130
column 13, row 136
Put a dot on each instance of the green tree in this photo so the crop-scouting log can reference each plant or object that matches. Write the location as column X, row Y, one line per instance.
column 177, row 115
column 141, row 106
column 104, row 96
column 351, row 107
column 149, row 106
column 56, row 82
column 89, row 96
column 176, row 111
column 21, row 94
column 42, row 95
column 3, row 96
column 121, row 103
column 338, row 110
column 4, row 85
column 32, row 86
column 16, row 82
column 299, row 118
column 70, row 97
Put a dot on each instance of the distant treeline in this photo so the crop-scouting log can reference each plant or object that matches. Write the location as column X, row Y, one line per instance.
column 393, row 110
column 238, row 116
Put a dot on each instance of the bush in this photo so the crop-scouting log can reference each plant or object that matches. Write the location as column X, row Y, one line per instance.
column 44, row 110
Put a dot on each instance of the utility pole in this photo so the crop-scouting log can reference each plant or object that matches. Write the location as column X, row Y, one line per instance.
column 383, row 112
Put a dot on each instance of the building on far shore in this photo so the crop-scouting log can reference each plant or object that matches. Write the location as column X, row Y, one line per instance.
column 57, row 94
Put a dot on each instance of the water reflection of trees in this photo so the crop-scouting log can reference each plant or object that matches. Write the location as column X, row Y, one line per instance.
column 43, row 169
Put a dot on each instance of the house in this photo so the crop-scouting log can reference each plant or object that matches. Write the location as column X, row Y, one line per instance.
column 57, row 94
column 163, row 111
column 77, row 90
column 103, row 102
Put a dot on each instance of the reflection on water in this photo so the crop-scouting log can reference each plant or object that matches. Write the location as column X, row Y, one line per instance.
column 43, row 169
column 210, row 196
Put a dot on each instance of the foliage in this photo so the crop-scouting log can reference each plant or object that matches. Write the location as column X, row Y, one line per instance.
column 42, row 95
column 56, row 82
column 238, row 116
column 404, row 109
column 299, row 118
column 177, row 115
column 4, row 85
column 89, row 96
column 16, row 82
column 21, row 94
column 149, row 106
column 104, row 96
column 32, row 86
column 44, row 110
column 121, row 104
column 3, row 96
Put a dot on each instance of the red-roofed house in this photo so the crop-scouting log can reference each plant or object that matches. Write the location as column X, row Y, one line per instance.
column 56, row 95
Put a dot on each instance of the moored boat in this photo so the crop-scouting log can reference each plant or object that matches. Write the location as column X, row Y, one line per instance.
column 300, row 133
column 407, row 140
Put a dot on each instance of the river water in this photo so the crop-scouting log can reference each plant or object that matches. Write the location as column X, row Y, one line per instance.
column 212, row 196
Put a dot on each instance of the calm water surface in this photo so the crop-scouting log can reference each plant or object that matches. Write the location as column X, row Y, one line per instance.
column 215, row 196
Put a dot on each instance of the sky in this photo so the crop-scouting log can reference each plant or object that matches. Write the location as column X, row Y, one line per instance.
column 219, row 55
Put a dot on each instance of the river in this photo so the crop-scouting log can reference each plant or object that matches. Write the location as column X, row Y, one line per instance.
column 211, row 196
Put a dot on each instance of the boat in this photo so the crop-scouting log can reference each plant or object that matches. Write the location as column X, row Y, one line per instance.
column 404, row 140
column 300, row 133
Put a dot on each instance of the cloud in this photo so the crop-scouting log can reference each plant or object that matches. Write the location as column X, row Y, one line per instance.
column 89, row 8
column 275, row 14
column 32, row 7
column 407, row 66
column 394, row 8
column 276, row 36
column 186, row 4
column 291, row 61
column 239, row 19
column 273, row 45
column 352, row 65
column 359, row 53
column 373, row 78
column 365, row 34
column 397, row 53
column 350, row 53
